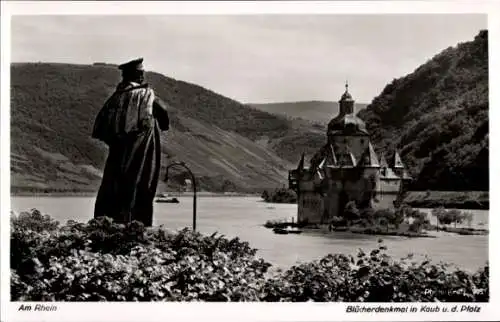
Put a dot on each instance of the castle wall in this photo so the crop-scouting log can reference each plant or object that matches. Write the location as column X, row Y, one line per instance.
column 356, row 144
column 385, row 201
column 310, row 207
column 362, row 189
column 389, row 186
column 331, row 204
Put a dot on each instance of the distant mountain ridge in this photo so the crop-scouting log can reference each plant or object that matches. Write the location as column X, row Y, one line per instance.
column 315, row 111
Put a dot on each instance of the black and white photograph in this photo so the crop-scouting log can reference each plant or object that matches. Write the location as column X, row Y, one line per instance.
column 249, row 157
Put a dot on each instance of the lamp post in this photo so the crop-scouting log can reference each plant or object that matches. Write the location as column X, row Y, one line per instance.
column 193, row 180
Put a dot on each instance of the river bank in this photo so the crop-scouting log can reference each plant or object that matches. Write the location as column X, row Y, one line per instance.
column 375, row 231
column 94, row 193
column 473, row 200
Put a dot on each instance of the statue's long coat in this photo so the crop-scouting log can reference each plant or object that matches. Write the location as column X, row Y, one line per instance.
column 130, row 123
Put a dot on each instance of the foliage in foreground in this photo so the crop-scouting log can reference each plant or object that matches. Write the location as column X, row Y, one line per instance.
column 103, row 261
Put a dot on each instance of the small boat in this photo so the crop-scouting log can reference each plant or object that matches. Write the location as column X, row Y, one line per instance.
column 293, row 230
column 280, row 231
column 167, row 200
column 287, row 230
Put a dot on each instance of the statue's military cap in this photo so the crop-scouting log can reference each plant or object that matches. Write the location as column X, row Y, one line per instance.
column 135, row 64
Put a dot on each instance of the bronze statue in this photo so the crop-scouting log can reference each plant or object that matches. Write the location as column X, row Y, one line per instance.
column 130, row 123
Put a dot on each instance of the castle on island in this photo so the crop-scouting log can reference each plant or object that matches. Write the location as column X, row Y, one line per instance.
column 346, row 169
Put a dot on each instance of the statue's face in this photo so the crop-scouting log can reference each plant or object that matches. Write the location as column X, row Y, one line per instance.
column 134, row 76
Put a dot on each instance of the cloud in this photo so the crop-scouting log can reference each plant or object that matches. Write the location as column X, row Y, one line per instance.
column 252, row 58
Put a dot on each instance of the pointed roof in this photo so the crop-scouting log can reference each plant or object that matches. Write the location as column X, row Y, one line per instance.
column 395, row 161
column 389, row 174
column 300, row 167
column 369, row 157
column 331, row 156
column 383, row 162
column 406, row 175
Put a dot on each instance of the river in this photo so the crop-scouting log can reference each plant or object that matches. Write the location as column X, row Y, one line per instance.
column 244, row 216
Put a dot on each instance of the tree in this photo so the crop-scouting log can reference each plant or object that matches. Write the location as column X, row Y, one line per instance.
column 420, row 219
column 455, row 216
column 385, row 217
column 438, row 213
column 368, row 215
column 398, row 218
column 265, row 195
column 468, row 218
column 351, row 212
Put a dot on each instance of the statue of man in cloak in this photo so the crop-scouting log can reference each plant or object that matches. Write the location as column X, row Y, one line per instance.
column 130, row 123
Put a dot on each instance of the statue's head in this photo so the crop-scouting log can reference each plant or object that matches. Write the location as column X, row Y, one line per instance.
column 133, row 71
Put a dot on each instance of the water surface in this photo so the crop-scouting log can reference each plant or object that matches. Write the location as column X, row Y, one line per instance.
column 244, row 216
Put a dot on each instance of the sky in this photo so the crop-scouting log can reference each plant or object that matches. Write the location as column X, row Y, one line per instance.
column 252, row 58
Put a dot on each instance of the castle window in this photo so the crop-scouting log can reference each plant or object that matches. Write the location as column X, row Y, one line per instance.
column 362, row 141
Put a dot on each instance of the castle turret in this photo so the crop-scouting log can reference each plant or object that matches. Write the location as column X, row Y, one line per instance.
column 369, row 158
column 346, row 103
column 398, row 167
column 346, row 123
column 395, row 161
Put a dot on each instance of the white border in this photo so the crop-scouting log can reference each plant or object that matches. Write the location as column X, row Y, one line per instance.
column 234, row 311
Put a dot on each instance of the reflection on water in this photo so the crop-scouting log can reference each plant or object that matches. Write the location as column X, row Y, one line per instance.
column 243, row 217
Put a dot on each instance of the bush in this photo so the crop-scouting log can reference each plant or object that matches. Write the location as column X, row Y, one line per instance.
column 452, row 216
column 87, row 262
column 102, row 260
column 34, row 221
column 351, row 212
column 375, row 277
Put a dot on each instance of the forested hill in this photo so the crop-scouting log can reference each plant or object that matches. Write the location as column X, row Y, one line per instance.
column 438, row 117
column 230, row 147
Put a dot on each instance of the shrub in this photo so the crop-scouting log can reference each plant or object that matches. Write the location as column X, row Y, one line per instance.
column 375, row 277
column 452, row 216
column 88, row 262
column 351, row 212
column 34, row 221
column 337, row 221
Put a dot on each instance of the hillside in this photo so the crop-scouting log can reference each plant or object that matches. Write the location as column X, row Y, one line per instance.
column 438, row 117
column 229, row 146
column 315, row 111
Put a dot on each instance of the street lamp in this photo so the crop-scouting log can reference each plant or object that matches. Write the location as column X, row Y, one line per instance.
column 193, row 180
